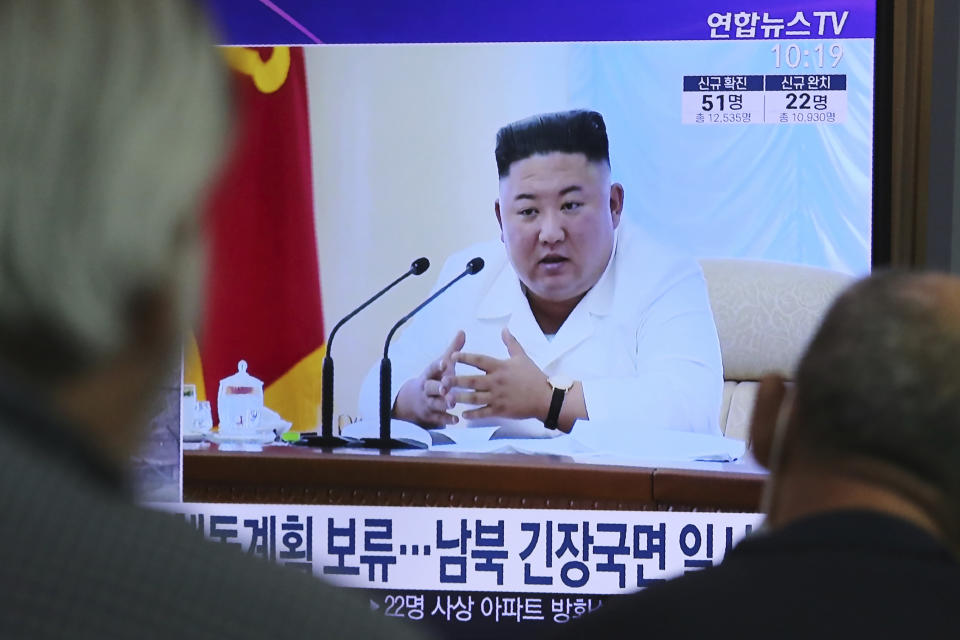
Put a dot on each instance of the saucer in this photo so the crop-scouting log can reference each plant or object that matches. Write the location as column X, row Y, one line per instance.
column 255, row 437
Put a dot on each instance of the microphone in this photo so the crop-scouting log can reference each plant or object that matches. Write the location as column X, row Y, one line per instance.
column 326, row 437
column 386, row 392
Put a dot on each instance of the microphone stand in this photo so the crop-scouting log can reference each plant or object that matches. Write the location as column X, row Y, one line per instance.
column 385, row 441
column 326, row 439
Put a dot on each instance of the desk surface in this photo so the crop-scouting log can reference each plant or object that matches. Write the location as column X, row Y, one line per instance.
column 299, row 475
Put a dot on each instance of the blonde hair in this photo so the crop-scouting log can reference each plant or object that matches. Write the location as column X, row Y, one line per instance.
column 113, row 118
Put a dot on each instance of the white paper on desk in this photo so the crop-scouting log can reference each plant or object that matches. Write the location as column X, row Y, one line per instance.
column 602, row 443
column 657, row 444
column 464, row 439
column 398, row 429
column 476, row 439
column 649, row 446
column 597, row 444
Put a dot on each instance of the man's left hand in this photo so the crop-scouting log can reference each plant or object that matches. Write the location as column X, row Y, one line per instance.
column 511, row 388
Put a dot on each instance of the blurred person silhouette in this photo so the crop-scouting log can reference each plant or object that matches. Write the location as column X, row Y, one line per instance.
column 862, row 533
column 113, row 118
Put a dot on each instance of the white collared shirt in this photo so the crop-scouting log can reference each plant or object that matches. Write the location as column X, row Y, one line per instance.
column 642, row 342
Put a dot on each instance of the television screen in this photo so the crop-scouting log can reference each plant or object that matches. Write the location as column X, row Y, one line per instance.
column 741, row 135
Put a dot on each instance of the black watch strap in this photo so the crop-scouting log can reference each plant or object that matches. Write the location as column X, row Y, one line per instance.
column 556, row 402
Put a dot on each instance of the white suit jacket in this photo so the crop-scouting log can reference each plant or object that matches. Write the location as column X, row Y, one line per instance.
column 642, row 342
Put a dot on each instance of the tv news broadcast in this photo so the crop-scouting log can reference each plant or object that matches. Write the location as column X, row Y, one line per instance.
column 706, row 168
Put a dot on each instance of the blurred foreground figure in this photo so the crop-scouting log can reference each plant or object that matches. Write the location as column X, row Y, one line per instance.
column 113, row 117
column 863, row 500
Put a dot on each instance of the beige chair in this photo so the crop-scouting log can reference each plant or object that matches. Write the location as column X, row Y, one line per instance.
column 766, row 312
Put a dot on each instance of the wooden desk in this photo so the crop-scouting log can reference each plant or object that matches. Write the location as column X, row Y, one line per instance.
column 297, row 475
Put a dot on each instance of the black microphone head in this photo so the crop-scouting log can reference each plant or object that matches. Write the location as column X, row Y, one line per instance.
column 475, row 265
column 419, row 265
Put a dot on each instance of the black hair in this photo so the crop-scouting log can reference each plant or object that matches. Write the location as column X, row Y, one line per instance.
column 575, row 131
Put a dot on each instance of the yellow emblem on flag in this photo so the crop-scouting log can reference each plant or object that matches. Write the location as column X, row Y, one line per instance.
column 268, row 75
column 193, row 367
column 296, row 395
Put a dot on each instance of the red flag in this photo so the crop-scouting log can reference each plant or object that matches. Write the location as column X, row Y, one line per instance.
column 263, row 291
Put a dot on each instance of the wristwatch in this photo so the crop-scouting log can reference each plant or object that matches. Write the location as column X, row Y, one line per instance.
column 560, row 386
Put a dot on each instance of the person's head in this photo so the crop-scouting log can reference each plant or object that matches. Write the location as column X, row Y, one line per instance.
column 877, row 397
column 113, row 118
column 557, row 208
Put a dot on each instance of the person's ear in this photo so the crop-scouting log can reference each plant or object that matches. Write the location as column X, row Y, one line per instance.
column 496, row 209
column 767, row 407
column 616, row 202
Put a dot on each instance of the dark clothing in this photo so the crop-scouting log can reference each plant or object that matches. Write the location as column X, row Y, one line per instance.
column 78, row 559
column 850, row 574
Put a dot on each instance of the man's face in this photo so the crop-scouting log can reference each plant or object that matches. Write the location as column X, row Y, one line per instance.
column 557, row 213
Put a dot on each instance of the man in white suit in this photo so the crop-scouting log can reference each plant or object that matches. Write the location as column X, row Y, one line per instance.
column 578, row 315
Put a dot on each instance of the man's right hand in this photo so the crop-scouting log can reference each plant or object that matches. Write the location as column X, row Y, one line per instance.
column 423, row 400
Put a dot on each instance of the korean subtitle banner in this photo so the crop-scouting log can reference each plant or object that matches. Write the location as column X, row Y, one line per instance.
column 492, row 608
column 489, row 550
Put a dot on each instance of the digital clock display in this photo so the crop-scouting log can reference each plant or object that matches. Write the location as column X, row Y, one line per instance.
column 796, row 56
